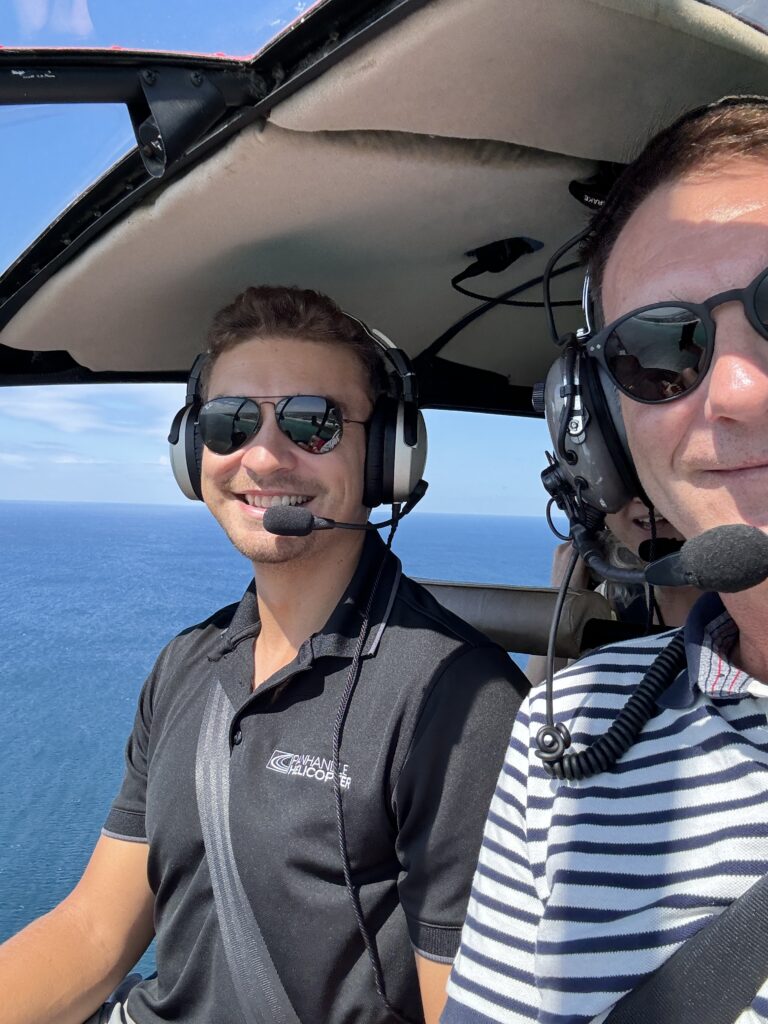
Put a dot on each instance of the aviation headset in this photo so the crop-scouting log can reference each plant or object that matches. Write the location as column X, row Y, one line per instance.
column 592, row 472
column 580, row 401
column 396, row 435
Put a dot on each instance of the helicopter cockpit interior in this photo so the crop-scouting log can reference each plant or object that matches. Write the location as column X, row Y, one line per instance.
column 387, row 153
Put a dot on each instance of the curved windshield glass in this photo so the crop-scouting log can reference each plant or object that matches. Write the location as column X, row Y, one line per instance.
column 50, row 155
column 230, row 27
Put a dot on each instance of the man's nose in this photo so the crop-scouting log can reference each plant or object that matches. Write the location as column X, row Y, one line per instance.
column 269, row 450
column 737, row 382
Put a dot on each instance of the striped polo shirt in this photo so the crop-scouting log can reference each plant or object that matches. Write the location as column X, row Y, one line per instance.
column 584, row 888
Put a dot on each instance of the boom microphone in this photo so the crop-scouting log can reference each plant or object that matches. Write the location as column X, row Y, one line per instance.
column 725, row 559
column 294, row 521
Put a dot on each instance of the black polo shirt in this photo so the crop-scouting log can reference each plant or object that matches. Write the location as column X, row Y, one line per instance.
column 425, row 735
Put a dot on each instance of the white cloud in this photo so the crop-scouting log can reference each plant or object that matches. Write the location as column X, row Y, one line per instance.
column 11, row 459
column 144, row 410
column 62, row 412
column 71, row 17
column 161, row 396
column 31, row 14
column 71, row 459
column 59, row 459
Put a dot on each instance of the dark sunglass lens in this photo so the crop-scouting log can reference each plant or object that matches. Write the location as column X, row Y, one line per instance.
column 225, row 424
column 657, row 354
column 310, row 422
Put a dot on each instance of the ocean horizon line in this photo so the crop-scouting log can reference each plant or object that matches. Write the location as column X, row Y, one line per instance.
column 199, row 506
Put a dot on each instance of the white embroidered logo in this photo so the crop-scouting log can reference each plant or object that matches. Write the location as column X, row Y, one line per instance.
column 309, row 766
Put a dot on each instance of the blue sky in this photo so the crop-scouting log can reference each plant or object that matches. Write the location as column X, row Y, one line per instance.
column 107, row 442
column 233, row 27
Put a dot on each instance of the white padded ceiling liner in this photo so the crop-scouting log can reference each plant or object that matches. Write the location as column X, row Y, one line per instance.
column 461, row 125
column 572, row 76
column 380, row 222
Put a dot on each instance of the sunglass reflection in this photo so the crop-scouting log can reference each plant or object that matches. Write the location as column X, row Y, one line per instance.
column 663, row 351
column 311, row 422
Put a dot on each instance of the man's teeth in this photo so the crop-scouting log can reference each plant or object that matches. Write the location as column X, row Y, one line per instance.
column 270, row 500
column 646, row 523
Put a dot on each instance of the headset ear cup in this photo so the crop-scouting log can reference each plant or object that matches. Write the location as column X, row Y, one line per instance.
column 597, row 462
column 392, row 467
column 617, row 468
column 408, row 461
column 186, row 453
column 373, row 485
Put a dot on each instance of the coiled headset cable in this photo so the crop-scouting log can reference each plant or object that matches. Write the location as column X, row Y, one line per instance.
column 553, row 739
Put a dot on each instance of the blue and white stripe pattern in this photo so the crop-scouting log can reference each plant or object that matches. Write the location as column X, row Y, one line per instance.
column 584, row 888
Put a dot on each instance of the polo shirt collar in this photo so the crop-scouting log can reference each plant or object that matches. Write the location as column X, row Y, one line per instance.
column 710, row 637
column 339, row 636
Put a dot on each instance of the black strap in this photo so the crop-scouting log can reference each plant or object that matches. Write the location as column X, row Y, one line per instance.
column 261, row 995
column 713, row 977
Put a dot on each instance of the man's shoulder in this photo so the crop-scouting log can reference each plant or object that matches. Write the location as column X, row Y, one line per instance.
column 203, row 637
column 603, row 679
column 622, row 659
column 416, row 606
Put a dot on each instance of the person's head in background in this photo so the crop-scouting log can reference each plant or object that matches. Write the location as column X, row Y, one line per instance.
column 625, row 531
column 632, row 525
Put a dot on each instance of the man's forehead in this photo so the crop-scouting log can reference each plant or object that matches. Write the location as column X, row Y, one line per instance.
column 290, row 359
column 289, row 366
column 692, row 237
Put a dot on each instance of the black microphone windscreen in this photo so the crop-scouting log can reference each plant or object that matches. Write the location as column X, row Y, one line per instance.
column 726, row 559
column 649, row 550
column 288, row 521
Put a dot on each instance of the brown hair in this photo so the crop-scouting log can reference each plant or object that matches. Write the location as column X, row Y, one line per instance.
column 735, row 126
column 270, row 311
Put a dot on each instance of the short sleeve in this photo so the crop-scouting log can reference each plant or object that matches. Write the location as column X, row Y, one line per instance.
column 126, row 818
column 444, row 788
column 493, row 977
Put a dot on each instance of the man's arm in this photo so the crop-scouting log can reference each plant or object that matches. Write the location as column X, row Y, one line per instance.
column 60, row 968
column 441, row 797
column 433, row 978
column 493, row 977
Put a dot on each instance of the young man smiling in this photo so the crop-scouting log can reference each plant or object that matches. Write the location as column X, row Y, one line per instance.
column 331, row 634
column 585, row 887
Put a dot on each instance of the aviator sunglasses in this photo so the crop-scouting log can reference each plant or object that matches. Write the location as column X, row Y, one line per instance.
column 312, row 422
column 663, row 351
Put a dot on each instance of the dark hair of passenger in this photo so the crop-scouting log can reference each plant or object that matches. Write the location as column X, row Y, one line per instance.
column 703, row 139
column 281, row 312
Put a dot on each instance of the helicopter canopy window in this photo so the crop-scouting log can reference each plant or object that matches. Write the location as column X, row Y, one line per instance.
column 240, row 28
column 50, row 155
column 80, row 142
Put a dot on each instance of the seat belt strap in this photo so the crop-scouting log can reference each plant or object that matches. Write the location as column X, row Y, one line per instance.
column 260, row 992
column 713, row 977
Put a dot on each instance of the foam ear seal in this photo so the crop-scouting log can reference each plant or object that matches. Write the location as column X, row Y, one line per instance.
column 373, row 487
column 606, row 410
column 194, row 455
